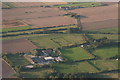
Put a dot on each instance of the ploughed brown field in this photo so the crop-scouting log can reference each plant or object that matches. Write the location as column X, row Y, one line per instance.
column 7, row 71
column 55, row 3
column 50, row 21
column 100, row 24
column 31, row 4
column 27, row 4
column 98, row 13
column 13, row 23
column 96, row 17
column 99, row 17
column 17, row 46
column 30, row 13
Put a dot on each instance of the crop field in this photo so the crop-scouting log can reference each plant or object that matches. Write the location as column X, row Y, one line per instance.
column 46, row 42
column 76, row 54
column 106, row 64
column 82, row 67
column 17, row 46
column 106, row 52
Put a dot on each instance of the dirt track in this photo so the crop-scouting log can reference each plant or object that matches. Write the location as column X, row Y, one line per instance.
column 17, row 46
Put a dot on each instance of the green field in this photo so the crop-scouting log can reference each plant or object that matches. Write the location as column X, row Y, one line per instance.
column 85, row 4
column 106, row 64
column 7, row 5
column 24, row 30
column 77, row 53
column 109, row 36
column 47, row 41
column 82, row 67
column 17, row 60
column 106, row 52
column 37, row 74
column 16, row 28
column 108, row 30
column 23, row 36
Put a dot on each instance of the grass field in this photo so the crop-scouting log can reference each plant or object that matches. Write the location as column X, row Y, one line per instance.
column 109, row 36
column 17, row 60
column 107, row 30
column 83, row 67
column 23, row 36
column 16, row 28
column 47, row 41
column 37, row 74
column 87, row 4
column 77, row 53
column 106, row 64
column 106, row 52
column 24, row 30
column 7, row 5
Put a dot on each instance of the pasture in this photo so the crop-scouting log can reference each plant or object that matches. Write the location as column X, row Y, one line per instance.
column 106, row 65
column 107, row 30
column 85, row 4
column 82, row 67
column 107, row 52
column 16, row 28
column 38, row 74
column 113, row 37
column 47, row 41
column 17, row 60
column 76, row 54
